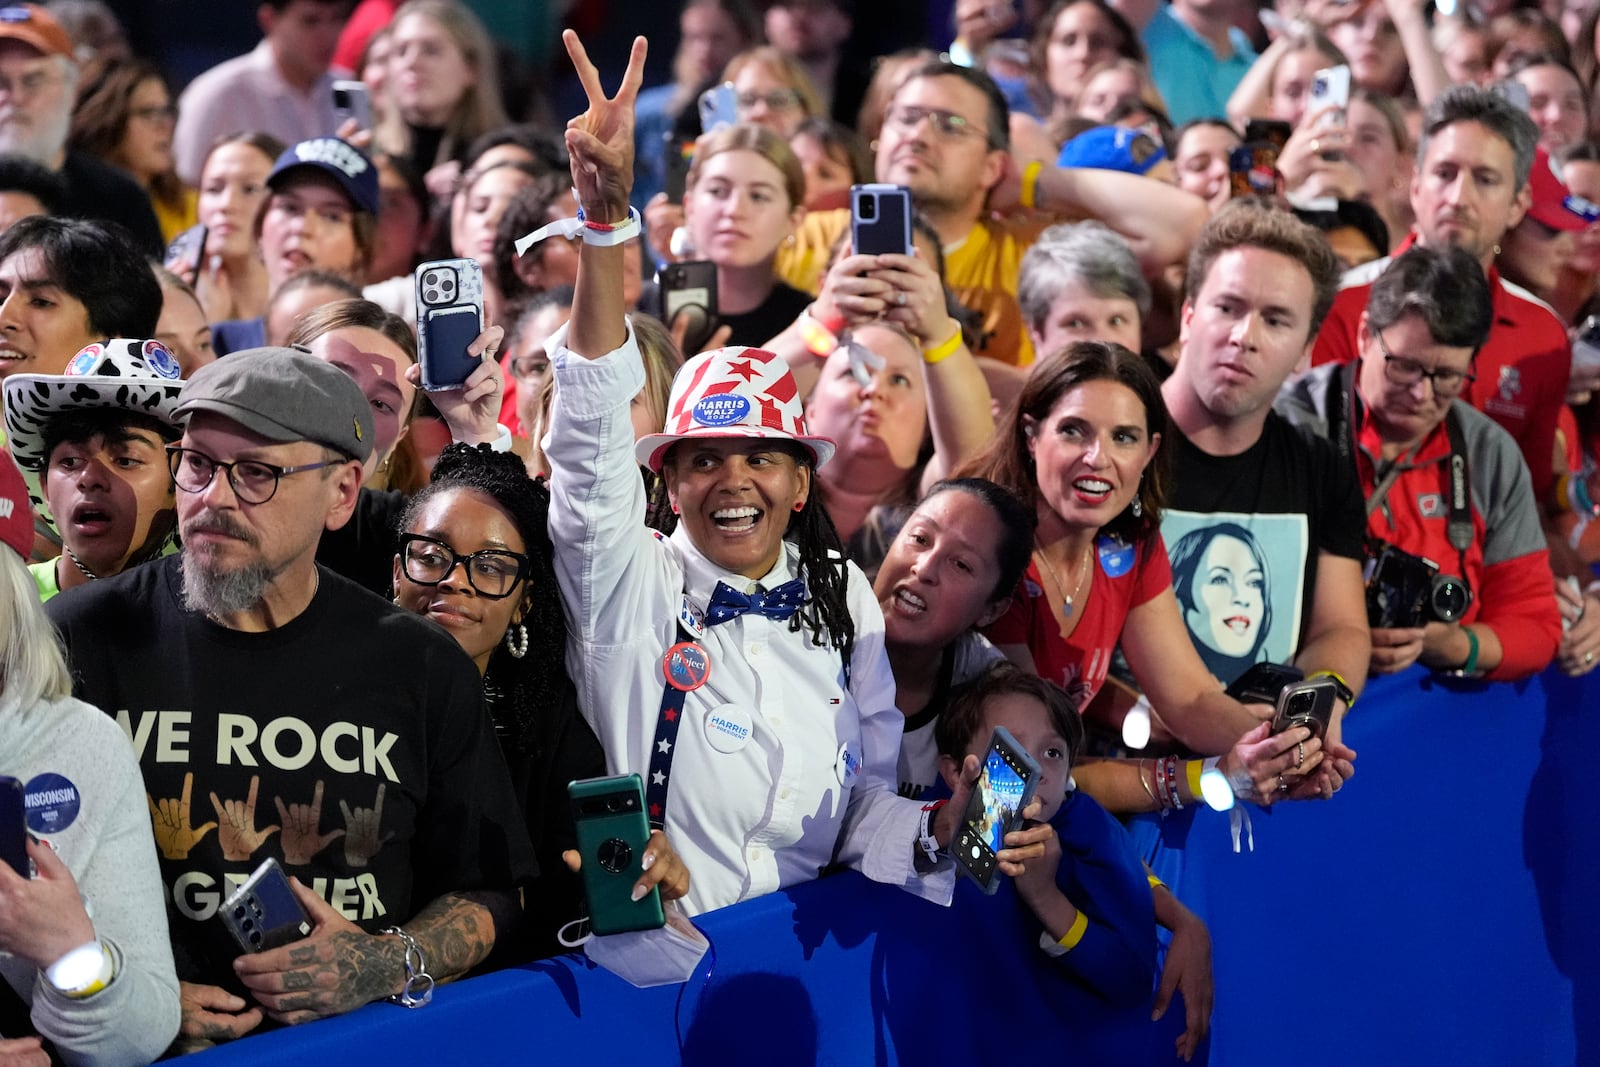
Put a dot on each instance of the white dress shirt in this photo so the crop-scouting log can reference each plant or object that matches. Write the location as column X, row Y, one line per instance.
column 813, row 781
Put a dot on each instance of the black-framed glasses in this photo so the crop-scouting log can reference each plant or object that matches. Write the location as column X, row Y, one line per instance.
column 1447, row 382
column 252, row 481
column 775, row 99
column 946, row 124
column 492, row 572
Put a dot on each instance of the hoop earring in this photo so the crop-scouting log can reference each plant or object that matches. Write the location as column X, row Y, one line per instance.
column 517, row 641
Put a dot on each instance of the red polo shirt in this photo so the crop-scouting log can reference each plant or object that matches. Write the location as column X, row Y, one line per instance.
column 1521, row 370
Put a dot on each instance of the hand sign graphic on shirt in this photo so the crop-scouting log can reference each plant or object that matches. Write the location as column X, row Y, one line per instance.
column 170, row 820
column 300, row 824
column 365, row 831
column 236, row 824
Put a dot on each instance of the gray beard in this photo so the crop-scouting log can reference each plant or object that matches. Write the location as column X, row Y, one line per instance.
column 219, row 593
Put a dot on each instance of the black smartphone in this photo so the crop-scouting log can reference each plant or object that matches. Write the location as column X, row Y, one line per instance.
column 679, row 155
column 880, row 220
column 186, row 252
column 449, row 319
column 1308, row 704
column 691, row 289
column 13, row 826
column 1275, row 132
column 264, row 913
column 353, row 100
column 1262, row 683
column 1005, row 786
column 613, row 832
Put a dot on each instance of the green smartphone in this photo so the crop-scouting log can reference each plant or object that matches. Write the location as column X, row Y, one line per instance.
column 612, row 834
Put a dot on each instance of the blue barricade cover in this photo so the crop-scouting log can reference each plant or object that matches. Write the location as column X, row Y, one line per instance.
column 1439, row 911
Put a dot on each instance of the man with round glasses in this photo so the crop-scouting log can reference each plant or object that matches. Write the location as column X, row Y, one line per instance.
column 281, row 712
column 1458, row 571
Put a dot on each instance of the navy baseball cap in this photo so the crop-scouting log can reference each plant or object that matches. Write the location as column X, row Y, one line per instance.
column 340, row 160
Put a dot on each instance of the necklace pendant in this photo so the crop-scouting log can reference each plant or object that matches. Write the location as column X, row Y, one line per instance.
column 1066, row 608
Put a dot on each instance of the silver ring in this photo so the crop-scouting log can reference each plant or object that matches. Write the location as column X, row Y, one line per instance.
column 1300, row 754
column 1316, row 146
column 900, row 299
column 1588, row 657
column 1283, row 784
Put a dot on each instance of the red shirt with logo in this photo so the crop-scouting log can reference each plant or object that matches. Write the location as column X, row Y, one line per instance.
column 1521, row 370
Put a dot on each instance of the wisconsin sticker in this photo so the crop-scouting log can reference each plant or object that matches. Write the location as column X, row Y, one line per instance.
column 722, row 409
column 52, row 803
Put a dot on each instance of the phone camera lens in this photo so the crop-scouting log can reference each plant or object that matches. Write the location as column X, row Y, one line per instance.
column 868, row 207
column 238, row 913
column 255, row 938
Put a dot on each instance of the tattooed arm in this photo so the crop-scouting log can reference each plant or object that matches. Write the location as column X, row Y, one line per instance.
column 339, row 967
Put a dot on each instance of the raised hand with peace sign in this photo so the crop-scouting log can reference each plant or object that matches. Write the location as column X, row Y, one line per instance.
column 600, row 141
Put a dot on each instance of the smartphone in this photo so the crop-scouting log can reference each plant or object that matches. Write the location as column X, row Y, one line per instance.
column 1253, row 170
column 609, row 816
column 1262, row 683
column 1005, row 786
column 1308, row 704
column 719, row 107
column 880, row 220
column 679, row 155
column 353, row 100
column 1586, row 347
column 449, row 319
column 186, row 252
column 1275, row 132
column 690, row 288
column 1515, row 92
column 1331, row 86
column 264, row 913
column 13, row 826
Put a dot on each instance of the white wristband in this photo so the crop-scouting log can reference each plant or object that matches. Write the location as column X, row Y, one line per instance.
column 616, row 235
column 502, row 441
column 83, row 971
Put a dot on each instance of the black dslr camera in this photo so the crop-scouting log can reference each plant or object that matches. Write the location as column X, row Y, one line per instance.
column 1405, row 591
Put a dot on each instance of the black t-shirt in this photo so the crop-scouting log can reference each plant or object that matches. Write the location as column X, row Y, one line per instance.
column 358, row 731
column 364, row 548
column 753, row 328
column 1243, row 533
column 96, row 190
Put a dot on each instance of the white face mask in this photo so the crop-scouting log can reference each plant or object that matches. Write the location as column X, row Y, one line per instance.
column 645, row 958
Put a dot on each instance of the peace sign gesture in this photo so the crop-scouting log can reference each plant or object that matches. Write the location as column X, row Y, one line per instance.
column 600, row 141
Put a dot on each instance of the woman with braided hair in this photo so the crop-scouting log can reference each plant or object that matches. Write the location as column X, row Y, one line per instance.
column 483, row 511
column 738, row 664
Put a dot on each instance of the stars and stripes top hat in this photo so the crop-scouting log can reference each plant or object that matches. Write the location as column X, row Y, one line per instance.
column 733, row 392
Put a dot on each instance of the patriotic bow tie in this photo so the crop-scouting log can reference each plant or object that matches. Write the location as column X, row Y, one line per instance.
column 776, row 604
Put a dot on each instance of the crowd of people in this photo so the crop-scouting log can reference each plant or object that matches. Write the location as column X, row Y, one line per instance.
column 1182, row 369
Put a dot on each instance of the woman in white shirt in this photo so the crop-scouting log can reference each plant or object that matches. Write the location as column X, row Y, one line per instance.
column 739, row 663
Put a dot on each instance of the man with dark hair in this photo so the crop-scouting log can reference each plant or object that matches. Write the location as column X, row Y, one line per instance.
column 37, row 63
column 282, row 87
column 242, row 671
column 816, row 34
column 65, row 283
column 1442, row 481
column 946, row 137
column 28, row 188
column 1264, row 520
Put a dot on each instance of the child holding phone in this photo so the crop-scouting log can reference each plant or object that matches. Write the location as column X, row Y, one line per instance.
column 1087, row 901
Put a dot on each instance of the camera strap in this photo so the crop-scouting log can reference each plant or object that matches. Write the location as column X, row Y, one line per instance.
column 1458, row 523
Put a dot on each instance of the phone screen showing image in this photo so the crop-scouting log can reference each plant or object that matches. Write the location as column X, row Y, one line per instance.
column 1004, row 787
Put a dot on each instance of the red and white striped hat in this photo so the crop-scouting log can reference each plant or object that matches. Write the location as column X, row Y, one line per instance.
column 733, row 392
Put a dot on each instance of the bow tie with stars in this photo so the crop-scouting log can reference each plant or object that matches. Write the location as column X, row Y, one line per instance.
column 777, row 604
